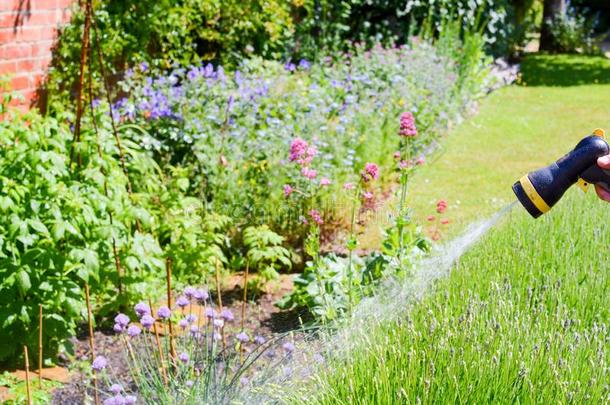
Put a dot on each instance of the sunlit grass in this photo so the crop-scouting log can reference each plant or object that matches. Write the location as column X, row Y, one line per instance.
column 523, row 318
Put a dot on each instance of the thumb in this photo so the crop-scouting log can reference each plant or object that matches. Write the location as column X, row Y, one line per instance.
column 604, row 162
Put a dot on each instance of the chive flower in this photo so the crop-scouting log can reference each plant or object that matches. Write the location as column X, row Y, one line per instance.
column 133, row 331
column 99, row 363
column 183, row 357
column 219, row 323
column 183, row 323
column 242, row 337
column 142, row 309
column 121, row 319
column 227, row 315
column 259, row 340
column 164, row 313
column 182, row 301
column 189, row 292
column 118, row 328
column 190, row 318
column 116, row 389
column 147, row 321
column 201, row 295
column 210, row 313
column 289, row 347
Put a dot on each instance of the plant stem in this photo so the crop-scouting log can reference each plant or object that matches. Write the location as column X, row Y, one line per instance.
column 91, row 341
column 40, row 346
column 168, row 270
column 159, row 348
column 27, row 375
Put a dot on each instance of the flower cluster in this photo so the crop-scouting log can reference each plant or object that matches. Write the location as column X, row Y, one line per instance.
column 370, row 172
column 407, row 125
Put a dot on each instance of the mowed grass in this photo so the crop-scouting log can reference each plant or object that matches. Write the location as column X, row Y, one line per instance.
column 518, row 129
column 524, row 318
column 525, row 315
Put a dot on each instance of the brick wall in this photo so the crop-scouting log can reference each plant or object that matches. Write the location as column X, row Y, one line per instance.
column 28, row 31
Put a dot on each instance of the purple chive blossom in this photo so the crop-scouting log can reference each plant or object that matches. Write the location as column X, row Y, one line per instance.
column 290, row 67
column 201, row 295
column 116, row 389
column 118, row 328
column 242, row 337
column 115, row 400
column 142, row 309
column 219, row 323
column 189, row 383
column 133, row 331
column 182, row 301
column 164, row 313
column 130, row 399
column 99, row 363
column 259, row 340
column 217, row 336
column 289, row 347
column 194, row 330
column 121, row 319
column 189, row 292
column 183, row 357
column 147, row 321
column 190, row 318
column 210, row 313
column 227, row 315
column 244, row 381
column 183, row 323
column 304, row 64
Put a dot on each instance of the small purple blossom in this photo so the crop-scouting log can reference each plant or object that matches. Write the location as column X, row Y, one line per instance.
column 219, row 323
column 189, row 383
column 133, row 331
column 242, row 337
column 115, row 400
column 147, row 321
column 164, row 313
column 287, row 190
column 99, row 363
column 259, row 340
column 118, row 328
column 182, row 301
column 370, row 172
column 130, row 399
column 288, row 346
column 407, row 125
column 143, row 66
column 194, row 330
column 142, row 309
column 227, row 315
column 183, row 323
column 190, row 318
column 189, row 292
column 210, row 313
column 116, row 389
column 121, row 319
column 201, row 295
column 183, row 357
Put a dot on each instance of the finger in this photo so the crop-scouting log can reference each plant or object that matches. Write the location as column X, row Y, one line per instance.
column 604, row 162
column 602, row 193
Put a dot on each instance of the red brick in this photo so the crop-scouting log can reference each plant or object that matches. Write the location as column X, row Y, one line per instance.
column 6, row 35
column 45, row 4
column 8, row 67
column 36, row 79
column 15, row 51
column 42, row 48
column 20, row 83
column 26, row 65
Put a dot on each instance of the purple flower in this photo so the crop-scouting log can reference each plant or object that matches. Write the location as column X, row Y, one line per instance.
column 142, row 309
column 304, row 64
column 133, row 331
column 99, row 363
column 242, row 337
column 130, row 399
column 189, row 292
column 164, row 313
column 210, row 313
column 194, row 330
column 190, row 318
column 217, row 336
column 201, row 295
column 316, row 217
column 183, row 357
column 219, row 323
column 287, row 190
column 147, row 321
column 289, row 347
column 227, row 315
column 290, row 67
column 143, row 66
column 116, row 389
column 189, row 383
column 121, row 319
column 324, row 181
column 183, row 323
column 182, row 301
column 259, row 340
column 118, row 328
column 298, row 147
column 115, row 400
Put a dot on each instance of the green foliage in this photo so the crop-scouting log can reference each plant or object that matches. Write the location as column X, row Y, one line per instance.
column 17, row 390
column 572, row 32
column 265, row 252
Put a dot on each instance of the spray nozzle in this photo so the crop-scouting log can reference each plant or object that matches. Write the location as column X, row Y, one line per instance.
column 539, row 190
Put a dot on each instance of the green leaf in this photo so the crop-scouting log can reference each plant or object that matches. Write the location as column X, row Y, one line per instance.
column 23, row 281
column 39, row 226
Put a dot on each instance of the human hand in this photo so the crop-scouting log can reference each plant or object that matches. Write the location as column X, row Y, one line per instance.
column 604, row 163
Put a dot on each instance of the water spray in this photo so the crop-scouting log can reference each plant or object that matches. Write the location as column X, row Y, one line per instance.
column 539, row 190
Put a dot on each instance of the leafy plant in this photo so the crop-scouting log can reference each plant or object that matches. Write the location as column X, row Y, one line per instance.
column 265, row 252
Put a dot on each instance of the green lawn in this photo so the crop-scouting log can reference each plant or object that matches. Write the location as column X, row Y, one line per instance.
column 525, row 317
column 517, row 129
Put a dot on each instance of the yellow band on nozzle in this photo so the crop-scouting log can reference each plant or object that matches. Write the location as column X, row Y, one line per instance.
column 533, row 195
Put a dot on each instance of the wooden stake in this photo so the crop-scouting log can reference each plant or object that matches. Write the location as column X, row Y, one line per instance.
column 222, row 330
column 27, row 375
column 243, row 309
column 40, row 345
column 159, row 348
column 91, row 342
column 168, row 269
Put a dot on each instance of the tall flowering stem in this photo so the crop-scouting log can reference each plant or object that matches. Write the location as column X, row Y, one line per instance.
column 168, row 270
column 159, row 348
column 408, row 131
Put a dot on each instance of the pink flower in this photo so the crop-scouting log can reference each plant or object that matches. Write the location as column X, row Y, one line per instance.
column 309, row 173
column 298, row 148
column 420, row 160
column 316, row 217
column 444, row 221
column 287, row 190
column 368, row 195
column 324, row 181
column 348, row 186
column 407, row 125
column 370, row 172
column 431, row 218
column 441, row 206
column 301, row 152
column 403, row 164
column 304, row 220
column 397, row 155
